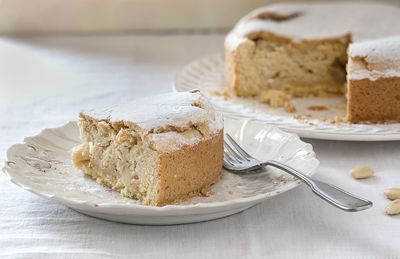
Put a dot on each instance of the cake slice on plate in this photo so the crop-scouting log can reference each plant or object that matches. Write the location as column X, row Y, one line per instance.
column 374, row 81
column 160, row 150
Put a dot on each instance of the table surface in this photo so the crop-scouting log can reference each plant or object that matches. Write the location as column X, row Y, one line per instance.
column 45, row 81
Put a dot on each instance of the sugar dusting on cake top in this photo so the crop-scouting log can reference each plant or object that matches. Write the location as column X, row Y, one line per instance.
column 318, row 21
column 169, row 120
column 374, row 59
column 160, row 113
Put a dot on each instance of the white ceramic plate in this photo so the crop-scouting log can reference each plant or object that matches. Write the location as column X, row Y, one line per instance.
column 207, row 74
column 42, row 165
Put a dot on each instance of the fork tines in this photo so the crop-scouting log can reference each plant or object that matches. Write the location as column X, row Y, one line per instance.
column 234, row 154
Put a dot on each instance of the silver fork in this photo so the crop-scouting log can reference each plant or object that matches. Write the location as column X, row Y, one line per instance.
column 239, row 161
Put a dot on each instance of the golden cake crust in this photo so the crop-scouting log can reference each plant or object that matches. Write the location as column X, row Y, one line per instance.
column 188, row 171
column 373, row 101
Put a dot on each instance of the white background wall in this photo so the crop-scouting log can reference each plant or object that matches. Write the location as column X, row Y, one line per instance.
column 92, row 16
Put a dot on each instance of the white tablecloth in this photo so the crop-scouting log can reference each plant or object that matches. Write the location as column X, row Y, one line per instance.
column 44, row 82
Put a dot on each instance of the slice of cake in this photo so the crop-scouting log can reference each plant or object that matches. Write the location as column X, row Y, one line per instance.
column 301, row 49
column 159, row 150
column 373, row 77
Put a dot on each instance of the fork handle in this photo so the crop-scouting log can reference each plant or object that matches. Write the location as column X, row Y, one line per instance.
column 332, row 194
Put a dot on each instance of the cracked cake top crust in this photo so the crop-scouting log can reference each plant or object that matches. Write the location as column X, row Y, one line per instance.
column 169, row 121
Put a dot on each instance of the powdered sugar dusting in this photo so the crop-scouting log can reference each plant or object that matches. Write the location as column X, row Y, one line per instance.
column 170, row 120
column 375, row 59
column 319, row 21
column 232, row 41
column 173, row 140
column 159, row 113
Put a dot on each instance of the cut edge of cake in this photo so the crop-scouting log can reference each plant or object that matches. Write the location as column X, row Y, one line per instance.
column 300, row 69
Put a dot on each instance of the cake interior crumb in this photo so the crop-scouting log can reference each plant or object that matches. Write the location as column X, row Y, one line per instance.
column 276, row 99
column 223, row 93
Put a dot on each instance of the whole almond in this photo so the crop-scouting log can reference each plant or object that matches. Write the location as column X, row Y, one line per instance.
column 361, row 172
column 393, row 208
column 392, row 193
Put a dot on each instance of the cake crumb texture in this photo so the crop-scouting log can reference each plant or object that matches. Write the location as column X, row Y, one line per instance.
column 274, row 98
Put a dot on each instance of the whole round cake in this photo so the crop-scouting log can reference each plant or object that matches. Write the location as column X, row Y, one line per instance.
column 304, row 49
